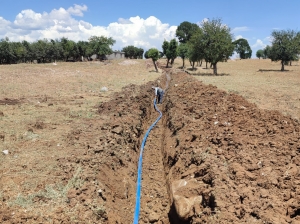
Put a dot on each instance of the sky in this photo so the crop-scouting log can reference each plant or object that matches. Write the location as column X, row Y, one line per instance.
column 142, row 23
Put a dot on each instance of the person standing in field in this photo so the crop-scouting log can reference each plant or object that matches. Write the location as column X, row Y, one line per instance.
column 159, row 93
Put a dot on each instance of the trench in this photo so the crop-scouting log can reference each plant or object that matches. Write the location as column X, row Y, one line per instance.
column 156, row 198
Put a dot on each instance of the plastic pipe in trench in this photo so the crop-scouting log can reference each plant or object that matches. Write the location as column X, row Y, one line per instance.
column 138, row 183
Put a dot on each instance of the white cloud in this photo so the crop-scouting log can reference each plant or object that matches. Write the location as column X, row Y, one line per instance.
column 202, row 21
column 124, row 21
column 259, row 44
column 240, row 29
column 77, row 10
column 238, row 37
column 31, row 26
column 269, row 39
column 4, row 26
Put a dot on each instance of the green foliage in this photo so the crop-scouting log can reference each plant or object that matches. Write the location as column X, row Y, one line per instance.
column 101, row 45
column 83, row 49
column 195, row 52
column 49, row 50
column 170, row 50
column 182, row 51
column 153, row 53
column 6, row 51
column 185, row 31
column 146, row 54
column 260, row 53
column 213, row 42
column 267, row 51
column 165, row 47
column 285, row 46
column 196, row 47
column 133, row 52
column 241, row 46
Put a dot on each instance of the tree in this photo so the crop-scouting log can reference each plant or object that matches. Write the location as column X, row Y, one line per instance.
column 285, row 46
column 215, row 41
column 133, row 52
column 101, row 45
column 185, row 31
column 194, row 54
column 170, row 50
column 6, row 51
column 146, row 54
column 70, row 49
column 139, row 53
column 129, row 51
column 165, row 47
column 29, row 55
column 18, row 50
column 182, row 52
column 241, row 46
column 196, row 48
column 267, row 51
column 153, row 53
column 260, row 53
column 83, row 49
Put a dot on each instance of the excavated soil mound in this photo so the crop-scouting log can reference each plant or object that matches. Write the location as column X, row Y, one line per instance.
column 242, row 161
column 213, row 158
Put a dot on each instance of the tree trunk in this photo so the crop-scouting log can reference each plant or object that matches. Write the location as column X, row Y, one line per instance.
column 167, row 63
column 183, row 63
column 155, row 65
column 215, row 68
column 172, row 61
column 206, row 64
column 290, row 63
column 282, row 65
column 193, row 65
column 200, row 63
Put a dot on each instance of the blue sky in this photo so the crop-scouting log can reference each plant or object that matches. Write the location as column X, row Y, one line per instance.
column 143, row 23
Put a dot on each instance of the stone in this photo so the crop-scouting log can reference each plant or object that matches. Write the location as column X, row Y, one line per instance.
column 118, row 130
column 183, row 207
column 153, row 217
column 104, row 89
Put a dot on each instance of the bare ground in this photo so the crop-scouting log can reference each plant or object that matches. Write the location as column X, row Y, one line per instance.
column 213, row 158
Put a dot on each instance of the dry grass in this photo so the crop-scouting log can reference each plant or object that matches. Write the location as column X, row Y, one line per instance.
column 259, row 81
column 51, row 102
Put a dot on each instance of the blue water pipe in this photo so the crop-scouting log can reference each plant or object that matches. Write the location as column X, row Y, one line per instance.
column 138, row 182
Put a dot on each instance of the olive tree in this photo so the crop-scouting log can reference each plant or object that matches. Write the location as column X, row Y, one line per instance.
column 242, row 47
column 153, row 53
column 182, row 52
column 170, row 50
column 260, row 53
column 285, row 46
column 101, row 45
column 214, row 41
column 185, row 31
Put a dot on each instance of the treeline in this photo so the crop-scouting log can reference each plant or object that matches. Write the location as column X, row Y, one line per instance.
column 285, row 47
column 53, row 50
column 212, row 42
column 133, row 52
